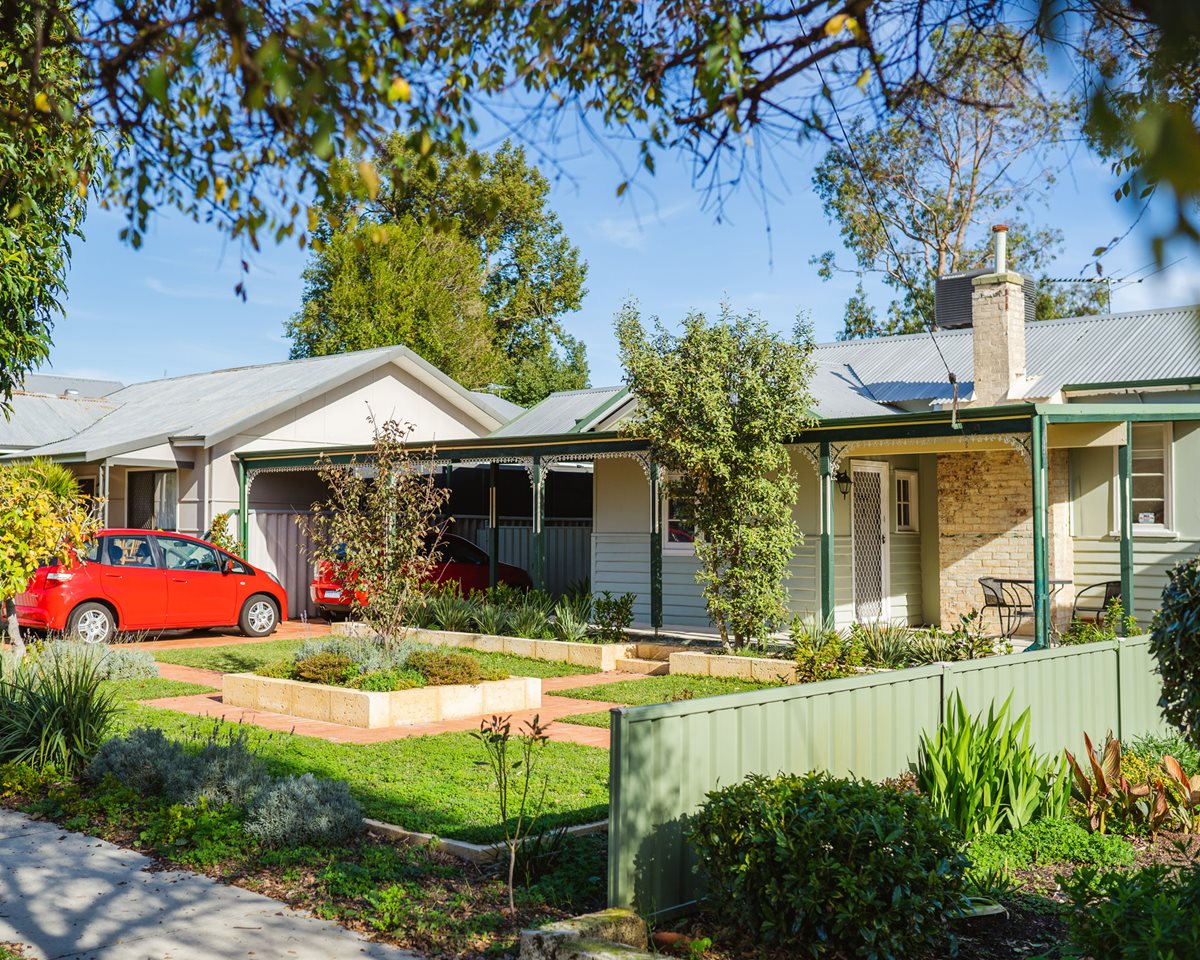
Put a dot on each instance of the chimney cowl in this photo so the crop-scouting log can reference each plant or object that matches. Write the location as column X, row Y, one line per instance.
column 1000, row 248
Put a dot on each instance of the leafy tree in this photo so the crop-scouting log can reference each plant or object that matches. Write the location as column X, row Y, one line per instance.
column 42, row 517
column 377, row 529
column 477, row 289
column 717, row 403
column 44, row 174
column 911, row 197
column 399, row 283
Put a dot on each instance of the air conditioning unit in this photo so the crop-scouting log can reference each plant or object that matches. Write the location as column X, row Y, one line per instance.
column 952, row 298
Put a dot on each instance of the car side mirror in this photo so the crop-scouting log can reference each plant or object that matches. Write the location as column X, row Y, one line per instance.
column 227, row 566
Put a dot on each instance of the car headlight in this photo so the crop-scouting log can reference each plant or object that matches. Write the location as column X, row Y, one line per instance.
column 273, row 577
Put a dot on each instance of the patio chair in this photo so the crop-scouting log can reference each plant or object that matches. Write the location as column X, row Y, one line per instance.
column 1012, row 603
column 1089, row 605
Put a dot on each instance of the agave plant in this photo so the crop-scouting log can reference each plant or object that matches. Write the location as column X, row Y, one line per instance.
column 885, row 644
column 450, row 611
column 567, row 625
column 932, row 646
column 491, row 618
column 529, row 621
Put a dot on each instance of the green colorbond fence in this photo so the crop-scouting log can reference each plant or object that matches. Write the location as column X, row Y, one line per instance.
column 666, row 757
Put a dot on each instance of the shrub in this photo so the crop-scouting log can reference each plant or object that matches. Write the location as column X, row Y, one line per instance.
column 984, row 777
column 1049, row 842
column 491, row 619
column 225, row 773
column 110, row 662
column 54, row 715
column 1175, row 643
column 326, row 667
column 613, row 616
column 305, row 810
column 1111, row 624
column 386, row 681
column 1148, row 914
column 278, row 669
column 1153, row 748
column 448, row 610
column 830, row 867
column 440, row 667
column 529, row 621
column 824, row 654
column 140, row 760
column 200, row 835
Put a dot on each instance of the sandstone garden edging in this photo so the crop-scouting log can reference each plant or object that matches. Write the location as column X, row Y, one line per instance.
column 371, row 709
column 598, row 656
column 759, row 669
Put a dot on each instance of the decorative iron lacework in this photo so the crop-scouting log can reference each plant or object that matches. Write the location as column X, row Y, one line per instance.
column 837, row 453
column 642, row 459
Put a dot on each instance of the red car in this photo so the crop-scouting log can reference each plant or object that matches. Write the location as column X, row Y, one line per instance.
column 149, row 580
column 463, row 563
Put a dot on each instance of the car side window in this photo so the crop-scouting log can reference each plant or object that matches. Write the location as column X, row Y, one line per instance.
column 238, row 566
column 461, row 551
column 128, row 550
column 93, row 550
column 180, row 554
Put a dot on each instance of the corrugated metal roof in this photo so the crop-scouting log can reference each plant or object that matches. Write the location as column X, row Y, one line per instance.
column 39, row 419
column 560, row 412
column 57, row 385
column 505, row 410
column 207, row 404
column 838, row 393
column 1143, row 345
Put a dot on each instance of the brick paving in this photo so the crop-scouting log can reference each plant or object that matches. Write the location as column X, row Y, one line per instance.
column 224, row 636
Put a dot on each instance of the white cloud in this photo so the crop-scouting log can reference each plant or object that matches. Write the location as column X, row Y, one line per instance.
column 630, row 232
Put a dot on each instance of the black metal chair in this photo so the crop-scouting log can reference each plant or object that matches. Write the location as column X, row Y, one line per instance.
column 1013, row 603
column 1093, row 608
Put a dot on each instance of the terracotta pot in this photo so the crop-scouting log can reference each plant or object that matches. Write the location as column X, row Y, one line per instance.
column 668, row 941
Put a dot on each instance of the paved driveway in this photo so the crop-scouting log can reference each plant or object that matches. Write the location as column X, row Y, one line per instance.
column 67, row 895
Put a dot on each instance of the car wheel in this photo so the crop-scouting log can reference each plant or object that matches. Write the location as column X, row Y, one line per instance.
column 259, row 617
column 92, row 623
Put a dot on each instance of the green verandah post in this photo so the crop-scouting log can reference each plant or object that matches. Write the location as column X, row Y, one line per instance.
column 493, row 523
column 656, row 547
column 1041, row 568
column 827, row 566
column 243, row 498
column 538, row 480
column 1124, row 494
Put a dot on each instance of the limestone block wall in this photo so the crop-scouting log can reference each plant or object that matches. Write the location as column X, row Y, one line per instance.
column 985, row 527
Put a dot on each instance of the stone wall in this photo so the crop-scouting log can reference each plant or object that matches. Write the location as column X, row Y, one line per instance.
column 985, row 527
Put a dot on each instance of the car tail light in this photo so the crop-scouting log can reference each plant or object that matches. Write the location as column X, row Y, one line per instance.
column 59, row 576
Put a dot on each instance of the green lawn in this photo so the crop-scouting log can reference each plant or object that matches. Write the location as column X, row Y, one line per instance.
column 230, row 658
column 130, row 691
column 636, row 693
column 601, row 718
column 246, row 657
column 432, row 784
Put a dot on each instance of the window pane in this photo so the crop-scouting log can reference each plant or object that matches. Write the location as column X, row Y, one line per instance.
column 129, row 551
column 186, row 555
column 1149, row 482
column 678, row 531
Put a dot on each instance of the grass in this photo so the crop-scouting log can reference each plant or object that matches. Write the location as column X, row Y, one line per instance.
column 229, row 658
column 130, row 691
column 432, row 784
column 636, row 693
column 601, row 718
column 246, row 657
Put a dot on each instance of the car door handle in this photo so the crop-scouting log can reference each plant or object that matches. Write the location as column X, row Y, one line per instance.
column 114, row 576
column 178, row 580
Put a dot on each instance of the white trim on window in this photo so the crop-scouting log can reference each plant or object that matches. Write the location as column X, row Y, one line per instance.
column 901, row 507
column 1166, row 529
column 683, row 548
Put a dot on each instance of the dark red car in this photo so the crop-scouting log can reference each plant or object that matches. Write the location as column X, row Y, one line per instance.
column 147, row 580
column 462, row 563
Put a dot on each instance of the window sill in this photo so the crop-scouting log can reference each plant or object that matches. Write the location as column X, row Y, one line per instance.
column 1149, row 533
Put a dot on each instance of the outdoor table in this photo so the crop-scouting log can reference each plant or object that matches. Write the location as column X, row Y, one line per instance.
column 1025, row 585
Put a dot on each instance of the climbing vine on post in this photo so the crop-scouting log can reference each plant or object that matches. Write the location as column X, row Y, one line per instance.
column 718, row 402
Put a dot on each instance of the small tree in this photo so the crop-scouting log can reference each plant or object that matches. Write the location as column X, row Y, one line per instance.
column 221, row 535
column 1175, row 643
column 718, row 403
column 43, row 517
column 377, row 530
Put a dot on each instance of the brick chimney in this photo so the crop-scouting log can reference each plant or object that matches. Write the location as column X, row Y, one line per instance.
column 998, row 323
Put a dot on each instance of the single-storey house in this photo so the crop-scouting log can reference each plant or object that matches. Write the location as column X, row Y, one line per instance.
column 1053, row 455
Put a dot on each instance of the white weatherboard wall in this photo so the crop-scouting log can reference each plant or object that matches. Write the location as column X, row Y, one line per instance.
column 621, row 550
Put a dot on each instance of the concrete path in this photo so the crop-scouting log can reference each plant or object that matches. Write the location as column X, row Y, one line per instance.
column 69, row 896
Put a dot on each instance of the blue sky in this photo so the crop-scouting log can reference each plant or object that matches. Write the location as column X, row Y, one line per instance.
column 170, row 309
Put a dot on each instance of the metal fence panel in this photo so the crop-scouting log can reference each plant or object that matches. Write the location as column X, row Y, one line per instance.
column 568, row 552
column 278, row 544
column 665, row 758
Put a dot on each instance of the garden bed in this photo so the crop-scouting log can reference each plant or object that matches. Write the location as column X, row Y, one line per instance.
column 373, row 709
column 596, row 656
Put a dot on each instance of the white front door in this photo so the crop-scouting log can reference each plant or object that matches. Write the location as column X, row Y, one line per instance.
column 869, row 528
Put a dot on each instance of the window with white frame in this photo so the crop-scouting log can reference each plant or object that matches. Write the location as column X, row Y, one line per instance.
column 1150, row 490
column 678, row 534
column 906, row 501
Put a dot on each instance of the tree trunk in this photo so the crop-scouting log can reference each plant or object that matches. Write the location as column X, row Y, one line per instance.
column 14, row 630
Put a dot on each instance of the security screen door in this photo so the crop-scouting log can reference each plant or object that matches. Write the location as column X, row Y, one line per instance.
column 869, row 518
